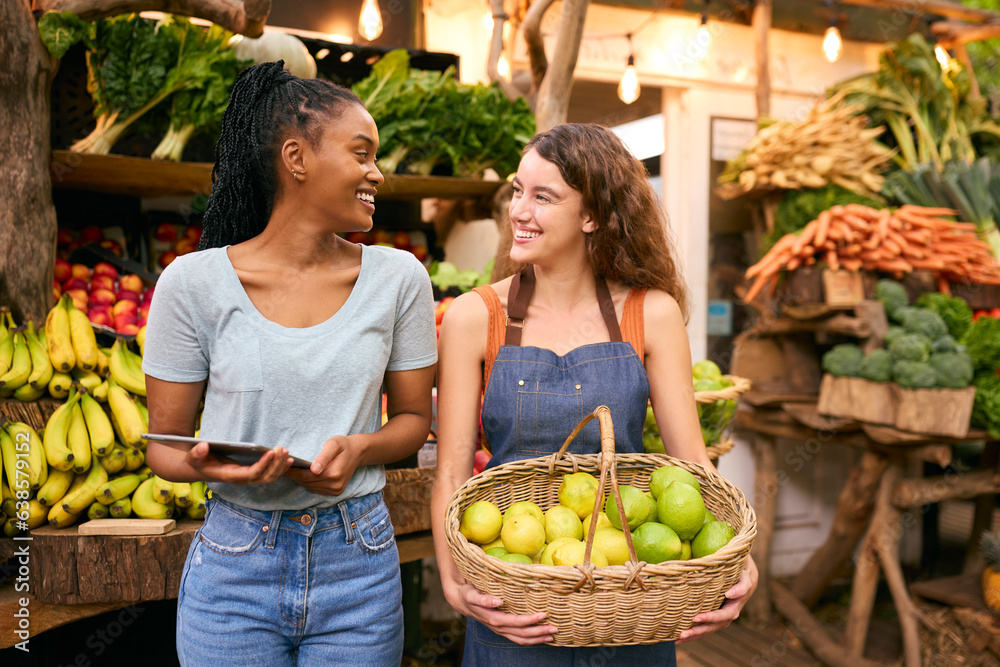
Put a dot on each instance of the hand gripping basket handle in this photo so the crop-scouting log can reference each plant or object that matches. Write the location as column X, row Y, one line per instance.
column 603, row 415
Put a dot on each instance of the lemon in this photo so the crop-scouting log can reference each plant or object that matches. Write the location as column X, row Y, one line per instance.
column 661, row 477
column 656, row 543
column 496, row 552
column 653, row 513
column 578, row 492
column 685, row 551
column 611, row 542
column 523, row 507
column 546, row 557
column 495, row 543
column 481, row 522
column 681, row 507
column 571, row 553
column 516, row 558
column 561, row 521
column 523, row 534
column 711, row 538
column 636, row 507
column 602, row 522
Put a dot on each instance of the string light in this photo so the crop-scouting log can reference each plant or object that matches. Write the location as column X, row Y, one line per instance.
column 704, row 37
column 942, row 57
column 370, row 21
column 488, row 21
column 628, row 87
column 832, row 43
column 503, row 67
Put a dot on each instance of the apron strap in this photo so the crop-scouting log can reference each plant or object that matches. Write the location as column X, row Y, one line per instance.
column 523, row 286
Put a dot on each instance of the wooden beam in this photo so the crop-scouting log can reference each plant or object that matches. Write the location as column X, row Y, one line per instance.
column 919, row 492
column 552, row 105
column 951, row 34
column 762, row 27
column 496, row 49
column 532, row 29
column 952, row 10
column 244, row 17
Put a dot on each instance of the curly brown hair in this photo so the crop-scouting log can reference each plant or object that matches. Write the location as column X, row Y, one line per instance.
column 631, row 243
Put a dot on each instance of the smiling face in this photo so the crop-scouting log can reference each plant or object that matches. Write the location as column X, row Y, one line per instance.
column 546, row 214
column 340, row 176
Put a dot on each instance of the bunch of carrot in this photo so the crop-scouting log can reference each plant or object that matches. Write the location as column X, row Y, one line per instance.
column 856, row 237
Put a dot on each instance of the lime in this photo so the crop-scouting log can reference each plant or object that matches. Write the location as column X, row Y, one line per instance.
column 481, row 522
column 706, row 370
column 653, row 514
column 496, row 552
column 681, row 507
column 635, row 504
column 655, row 543
column 546, row 557
column 523, row 534
column 571, row 553
column 578, row 492
column 516, row 558
column 523, row 507
column 561, row 521
column 709, row 516
column 711, row 538
column 685, row 551
column 611, row 543
column 662, row 476
column 602, row 522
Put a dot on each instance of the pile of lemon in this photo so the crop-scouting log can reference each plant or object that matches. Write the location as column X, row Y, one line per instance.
column 668, row 522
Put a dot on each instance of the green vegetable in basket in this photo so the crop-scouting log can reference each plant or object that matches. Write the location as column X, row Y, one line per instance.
column 706, row 370
column 982, row 343
column 954, row 370
column 986, row 410
column 892, row 295
column 843, row 360
column 710, row 435
column 911, row 347
column 877, row 366
column 953, row 310
column 914, row 374
column 926, row 322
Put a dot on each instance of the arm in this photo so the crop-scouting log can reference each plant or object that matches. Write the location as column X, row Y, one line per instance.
column 409, row 411
column 668, row 365
column 173, row 407
column 460, row 384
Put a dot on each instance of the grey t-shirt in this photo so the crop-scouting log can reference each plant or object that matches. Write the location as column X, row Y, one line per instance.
column 273, row 385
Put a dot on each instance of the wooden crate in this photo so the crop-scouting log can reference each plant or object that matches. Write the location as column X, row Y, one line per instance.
column 858, row 399
column 408, row 495
column 944, row 412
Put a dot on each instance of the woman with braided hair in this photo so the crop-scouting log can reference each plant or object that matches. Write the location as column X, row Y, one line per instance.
column 290, row 331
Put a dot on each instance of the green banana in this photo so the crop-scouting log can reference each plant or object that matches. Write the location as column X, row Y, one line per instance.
column 57, row 336
column 55, row 487
column 144, row 506
column 78, row 439
column 121, row 509
column 99, row 429
column 20, row 367
column 36, row 514
column 9, row 455
column 125, row 416
column 117, row 488
column 59, row 385
column 60, row 518
column 6, row 341
column 26, row 440
column 27, row 393
column 57, row 450
column 88, row 379
column 41, row 367
column 194, row 512
column 10, row 528
column 8, row 504
column 97, row 511
column 100, row 392
column 134, row 459
column 182, row 494
column 82, row 337
column 199, row 492
column 126, row 368
column 113, row 462
column 163, row 490
column 79, row 500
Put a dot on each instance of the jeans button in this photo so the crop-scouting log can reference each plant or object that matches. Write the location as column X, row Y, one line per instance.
column 306, row 519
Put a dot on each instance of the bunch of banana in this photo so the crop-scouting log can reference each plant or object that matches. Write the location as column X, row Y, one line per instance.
column 115, row 461
column 97, row 511
column 23, row 454
column 199, row 501
column 57, row 448
column 35, row 384
column 6, row 340
column 99, row 429
column 126, row 417
column 125, row 368
column 146, row 505
column 58, row 336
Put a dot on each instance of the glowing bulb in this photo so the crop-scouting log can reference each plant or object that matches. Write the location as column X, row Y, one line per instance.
column 704, row 38
column 628, row 87
column 488, row 22
column 370, row 21
column 942, row 57
column 832, row 44
column 503, row 67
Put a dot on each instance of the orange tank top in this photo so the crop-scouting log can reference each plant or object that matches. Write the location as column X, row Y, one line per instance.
column 631, row 325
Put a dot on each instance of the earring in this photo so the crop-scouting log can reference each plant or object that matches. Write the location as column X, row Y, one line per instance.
column 295, row 174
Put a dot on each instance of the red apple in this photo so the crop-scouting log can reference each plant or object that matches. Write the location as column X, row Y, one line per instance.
column 185, row 245
column 125, row 306
column 91, row 234
column 166, row 258
column 357, row 237
column 105, row 269
column 129, row 295
column 419, row 251
column 111, row 245
column 381, row 236
column 131, row 282
column 102, row 316
column 401, row 240
column 102, row 296
column 193, row 232
column 480, row 460
column 75, row 283
column 64, row 237
column 63, row 270
column 165, row 232
column 147, row 296
column 141, row 322
column 102, row 282
column 81, row 271
column 143, row 310
column 79, row 297
column 123, row 321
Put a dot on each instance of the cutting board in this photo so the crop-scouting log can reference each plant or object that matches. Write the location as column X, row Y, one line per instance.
column 127, row 527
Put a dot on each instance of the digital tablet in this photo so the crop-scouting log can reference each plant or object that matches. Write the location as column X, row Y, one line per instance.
column 244, row 453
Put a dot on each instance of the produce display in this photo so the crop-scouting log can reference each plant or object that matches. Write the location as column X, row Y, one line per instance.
column 859, row 237
column 170, row 241
column 990, row 546
column 67, row 240
column 414, row 241
column 668, row 522
column 89, row 460
column 715, row 418
column 119, row 302
column 445, row 275
column 832, row 145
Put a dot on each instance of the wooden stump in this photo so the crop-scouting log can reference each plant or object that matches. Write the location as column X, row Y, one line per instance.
column 758, row 608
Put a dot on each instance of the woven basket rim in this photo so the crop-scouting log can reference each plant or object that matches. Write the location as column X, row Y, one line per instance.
column 717, row 449
column 740, row 386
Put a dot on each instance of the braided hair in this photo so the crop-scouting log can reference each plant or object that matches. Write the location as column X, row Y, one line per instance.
column 265, row 105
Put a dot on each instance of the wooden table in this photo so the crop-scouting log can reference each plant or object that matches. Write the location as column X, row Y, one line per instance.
column 869, row 509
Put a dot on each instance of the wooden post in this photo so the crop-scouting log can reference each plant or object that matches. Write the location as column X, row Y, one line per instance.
column 762, row 28
column 765, row 496
column 552, row 105
column 983, row 517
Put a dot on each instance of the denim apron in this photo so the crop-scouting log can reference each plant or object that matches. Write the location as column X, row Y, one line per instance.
column 534, row 400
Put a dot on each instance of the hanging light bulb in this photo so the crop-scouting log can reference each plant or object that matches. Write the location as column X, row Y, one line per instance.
column 942, row 57
column 488, row 21
column 628, row 87
column 370, row 21
column 503, row 67
column 832, row 44
column 704, row 37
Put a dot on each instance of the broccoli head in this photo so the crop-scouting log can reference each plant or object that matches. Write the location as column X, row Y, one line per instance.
column 902, row 313
column 954, row 370
column 843, row 360
column 877, row 366
column 944, row 344
column 926, row 322
column 953, row 310
column 914, row 374
column 910, row 347
column 892, row 295
column 893, row 333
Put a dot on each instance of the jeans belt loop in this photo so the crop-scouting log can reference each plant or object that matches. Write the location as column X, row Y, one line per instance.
column 345, row 515
column 272, row 529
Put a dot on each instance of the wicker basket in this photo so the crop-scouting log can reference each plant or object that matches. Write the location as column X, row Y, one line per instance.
column 724, row 426
column 635, row 603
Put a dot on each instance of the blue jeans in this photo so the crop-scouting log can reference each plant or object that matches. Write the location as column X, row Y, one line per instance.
column 309, row 587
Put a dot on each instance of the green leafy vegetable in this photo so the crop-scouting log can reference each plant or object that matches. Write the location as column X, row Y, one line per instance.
column 954, row 370
column 926, row 322
column 914, row 374
column 986, row 409
column 893, row 297
column 877, row 366
column 911, row 347
column 61, row 30
column 445, row 274
column 843, row 360
column 982, row 343
column 945, row 344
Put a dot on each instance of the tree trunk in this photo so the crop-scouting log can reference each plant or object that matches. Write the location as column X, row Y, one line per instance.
column 552, row 105
column 27, row 215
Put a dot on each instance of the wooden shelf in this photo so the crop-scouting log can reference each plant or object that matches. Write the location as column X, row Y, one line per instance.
column 963, row 590
column 143, row 177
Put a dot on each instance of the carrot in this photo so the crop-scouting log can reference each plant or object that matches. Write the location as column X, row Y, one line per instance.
column 832, row 261
column 772, row 286
column 807, row 252
column 893, row 265
column 897, row 238
column 926, row 210
column 962, row 226
column 871, row 244
column 861, row 210
column 807, row 235
column 793, row 263
column 872, row 255
column 852, row 250
column 852, row 264
column 757, row 287
column 891, row 246
column 928, row 264
column 809, row 261
column 894, row 223
column 883, row 224
column 856, row 222
column 914, row 252
column 836, row 232
column 823, row 227
column 943, row 286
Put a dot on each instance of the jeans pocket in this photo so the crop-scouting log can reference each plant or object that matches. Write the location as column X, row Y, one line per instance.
column 237, row 366
column 230, row 533
column 375, row 531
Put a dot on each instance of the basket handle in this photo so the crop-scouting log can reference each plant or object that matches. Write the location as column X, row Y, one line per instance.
column 603, row 415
